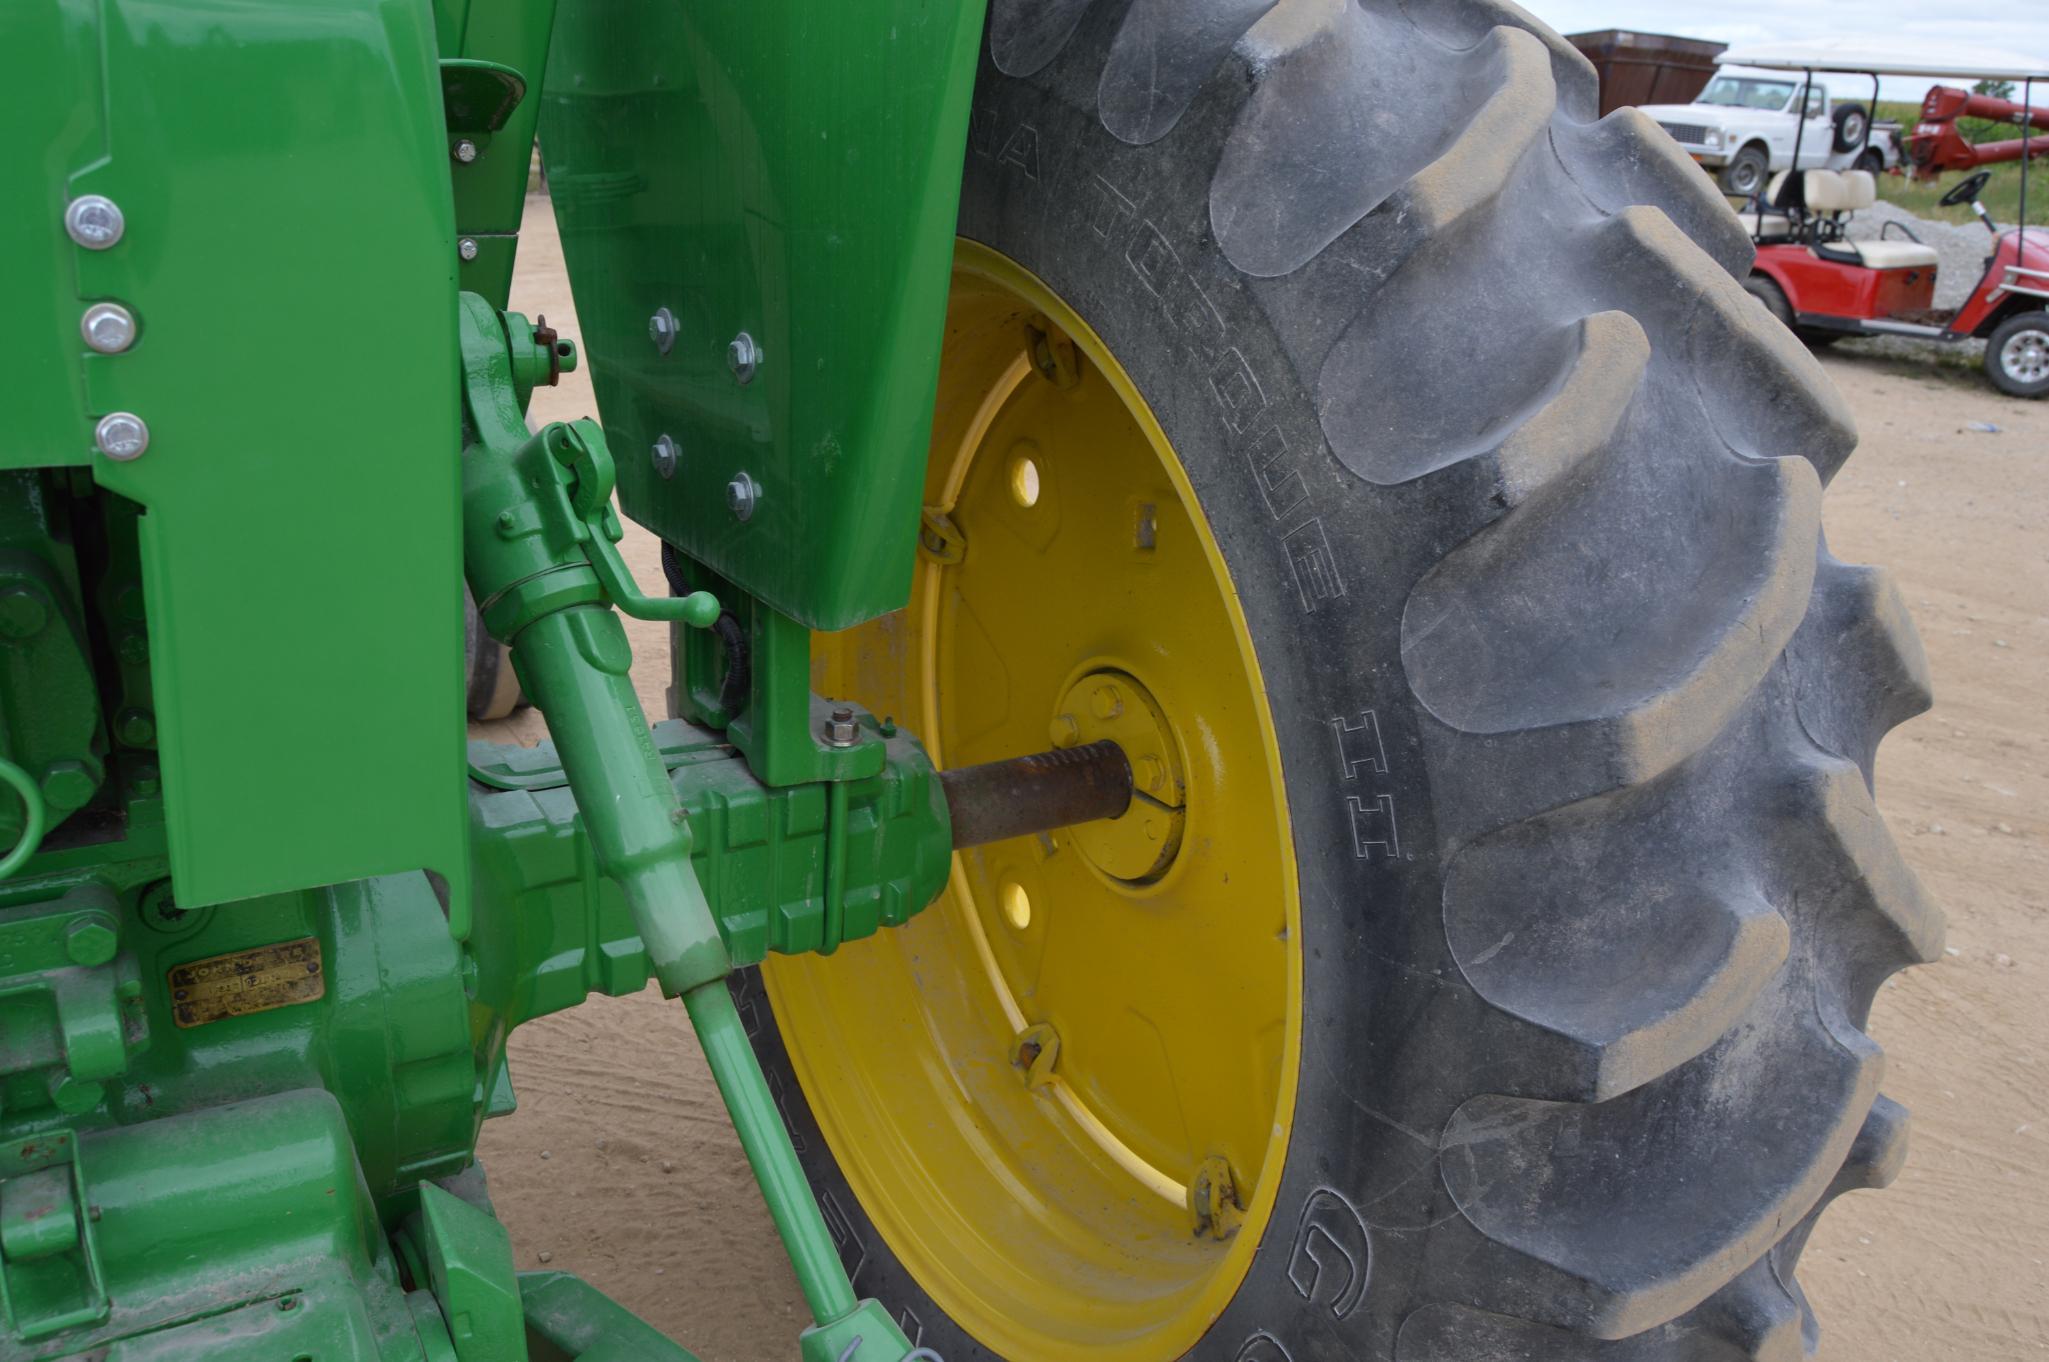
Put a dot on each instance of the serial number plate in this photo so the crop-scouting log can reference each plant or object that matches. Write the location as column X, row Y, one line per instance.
column 242, row 982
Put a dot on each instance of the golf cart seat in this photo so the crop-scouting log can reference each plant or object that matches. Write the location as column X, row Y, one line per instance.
column 1775, row 223
column 1839, row 193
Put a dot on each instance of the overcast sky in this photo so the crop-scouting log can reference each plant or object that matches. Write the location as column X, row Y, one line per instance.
column 2016, row 28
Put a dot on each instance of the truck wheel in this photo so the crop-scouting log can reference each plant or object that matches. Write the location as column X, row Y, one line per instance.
column 2017, row 355
column 1851, row 120
column 1745, row 173
column 1872, row 162
column 1482, row 971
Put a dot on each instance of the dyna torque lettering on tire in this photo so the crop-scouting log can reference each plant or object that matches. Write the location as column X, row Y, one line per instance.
column 1324, row 381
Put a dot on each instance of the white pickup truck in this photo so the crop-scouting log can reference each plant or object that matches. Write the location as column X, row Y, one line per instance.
column 1744, row 125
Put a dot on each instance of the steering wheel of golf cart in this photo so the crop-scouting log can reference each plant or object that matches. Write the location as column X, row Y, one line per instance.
column 1966, row 190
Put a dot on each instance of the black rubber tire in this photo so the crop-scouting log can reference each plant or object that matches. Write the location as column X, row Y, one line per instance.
column 1767, row 292
column 1851, row 119
column 492, row 690
column 1591, row 932
column 1746, row 172
column 1995, row 347
column 1872, row 160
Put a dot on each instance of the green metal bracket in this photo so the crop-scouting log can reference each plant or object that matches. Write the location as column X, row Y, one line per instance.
column 71, row 1013
column 569, row 1320
column 50, row 1274
column 781, row 726
column 777, row 876
column 468, row 1257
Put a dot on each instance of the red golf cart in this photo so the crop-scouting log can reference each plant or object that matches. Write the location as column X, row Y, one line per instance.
column 1825, row 286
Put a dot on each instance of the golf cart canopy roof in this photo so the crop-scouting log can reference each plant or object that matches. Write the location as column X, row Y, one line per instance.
column 1868, row 58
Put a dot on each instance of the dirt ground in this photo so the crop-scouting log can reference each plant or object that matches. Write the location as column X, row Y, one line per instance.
column 620, row 1165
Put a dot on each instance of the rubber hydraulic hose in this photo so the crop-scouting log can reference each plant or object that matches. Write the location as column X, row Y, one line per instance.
column 820, row 1274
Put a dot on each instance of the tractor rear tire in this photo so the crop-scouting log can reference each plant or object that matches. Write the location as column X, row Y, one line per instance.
column 1520, row 496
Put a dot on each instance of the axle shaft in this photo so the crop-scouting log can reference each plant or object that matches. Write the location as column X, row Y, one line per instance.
column 1046, row 790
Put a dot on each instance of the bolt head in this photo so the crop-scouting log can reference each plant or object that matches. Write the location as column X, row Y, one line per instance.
column 664, row 454
column 136, row 727
column 90, row 943
column 1152, row 774
column 108, row 328
column 742, row 494
column 68, row 784
column 1065, row 730
column 1107, row 702
column 662, row 329
column 464, row 150
column 73, row 1097
column 94, row 221
column 121, row 436
column 743, row 357
column 24, row 611
column 467, row 248
column 145, row 781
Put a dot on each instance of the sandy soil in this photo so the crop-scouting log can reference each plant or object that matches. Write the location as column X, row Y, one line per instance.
column 620, row 1165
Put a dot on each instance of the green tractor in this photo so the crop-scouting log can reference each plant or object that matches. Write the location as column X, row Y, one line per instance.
column 1265, row 761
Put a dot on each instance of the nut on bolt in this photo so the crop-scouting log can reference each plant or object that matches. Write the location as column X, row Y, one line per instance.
column 94, row 221
column 108, row 328
column 467, row 248
column 664, row 454
column 662, row 329
column 841, row 728
column 743, row 357
column 464, row 150
column 743, row 493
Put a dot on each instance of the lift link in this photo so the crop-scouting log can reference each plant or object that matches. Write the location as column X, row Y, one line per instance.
column 539, row 551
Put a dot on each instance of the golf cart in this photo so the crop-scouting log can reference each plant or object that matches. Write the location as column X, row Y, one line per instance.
column 1825, row 286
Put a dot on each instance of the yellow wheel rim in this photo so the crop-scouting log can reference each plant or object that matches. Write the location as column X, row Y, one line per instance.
column 1063, row 1094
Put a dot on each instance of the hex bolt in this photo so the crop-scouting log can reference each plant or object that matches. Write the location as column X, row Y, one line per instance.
column 72, row 1096
column 467, row 248
column 145, row 780
column 743, row 493
column 121, row 436
column 1152, row 774
column 136, row 727
column 840, row 728
column 108, row 328
column 134, row 648
column 89, row 942
column 68, row 784
column 464, row 150
column 23, row 612
column 1106, row 702
column 662, row 329
column 743, row 357
column 94, row 221
column 1064, row 731
column 664, row 453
